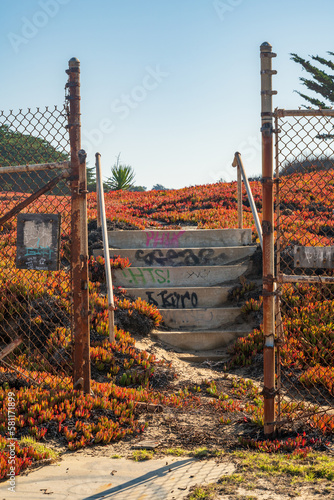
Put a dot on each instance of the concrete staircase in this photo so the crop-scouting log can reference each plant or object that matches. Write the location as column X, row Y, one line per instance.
column 187, row 274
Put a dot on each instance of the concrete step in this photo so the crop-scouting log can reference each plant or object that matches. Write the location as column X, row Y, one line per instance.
column 205, row 356
column 140, row 277
column 216, row 256
column 200, row 319
column 200, row 340
column 183, row 298
column 183, row 238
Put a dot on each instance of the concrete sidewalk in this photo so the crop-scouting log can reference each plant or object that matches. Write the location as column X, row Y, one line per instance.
column 85, row 477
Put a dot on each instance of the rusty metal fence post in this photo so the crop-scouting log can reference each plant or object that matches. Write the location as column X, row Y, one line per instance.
column 268, row 239
column 79, row 244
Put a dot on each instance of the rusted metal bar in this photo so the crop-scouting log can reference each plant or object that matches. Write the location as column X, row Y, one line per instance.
column 241, row 169
column 50, row 185
column 111, row 306
column 79, row 239
column 286, row 278
column 268, row 240
column 10, row 347
column 34, row 168
column 16, row 370
column 303, row 112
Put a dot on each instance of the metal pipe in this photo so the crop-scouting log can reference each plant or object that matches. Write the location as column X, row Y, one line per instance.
column 303, row 112
column 33, row 168
column 79, row 239
column 268, row 240
column 241, row 169
column 10, row 347
column 239, row 188
column 99, row 190
column 287, row 278
column 98, row 209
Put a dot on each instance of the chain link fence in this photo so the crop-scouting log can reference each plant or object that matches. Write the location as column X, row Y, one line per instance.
column 305, row 262
column 35, row 307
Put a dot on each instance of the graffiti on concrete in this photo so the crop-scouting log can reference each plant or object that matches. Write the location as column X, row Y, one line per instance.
column 203, row 274
column 167, row 299
column 185, row 257
column 165, row 239
column 142, row 275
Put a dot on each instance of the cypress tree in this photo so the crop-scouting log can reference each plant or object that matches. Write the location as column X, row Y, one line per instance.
column 321, row 82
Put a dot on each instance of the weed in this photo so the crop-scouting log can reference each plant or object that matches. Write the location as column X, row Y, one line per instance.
column 202, row 493
column 315, row 466
column 141, row 455
column 206, row 453
column 40, row 448
column 177, row 452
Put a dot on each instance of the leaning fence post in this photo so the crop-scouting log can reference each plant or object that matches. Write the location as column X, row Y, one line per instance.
column 98, row 209
column 268, row 239
column 239, row 193
column 79, row 237
column 99, row 191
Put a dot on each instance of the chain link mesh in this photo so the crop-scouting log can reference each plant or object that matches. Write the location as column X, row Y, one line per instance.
column 305, row 262
column 35, row 306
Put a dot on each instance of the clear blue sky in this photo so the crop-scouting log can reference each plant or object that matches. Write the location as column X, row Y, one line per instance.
column 172, row 85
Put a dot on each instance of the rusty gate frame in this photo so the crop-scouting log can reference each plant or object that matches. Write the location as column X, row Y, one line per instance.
column 75, row 173
column 272, row 277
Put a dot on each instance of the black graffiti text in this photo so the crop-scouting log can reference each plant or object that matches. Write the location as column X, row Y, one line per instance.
column 166, row 299
column 178, row 257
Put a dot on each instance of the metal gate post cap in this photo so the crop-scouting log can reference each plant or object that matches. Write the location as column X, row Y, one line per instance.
column 265, row 46
column 74, row 62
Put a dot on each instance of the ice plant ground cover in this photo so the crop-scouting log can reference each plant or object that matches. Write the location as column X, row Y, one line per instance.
column 124, row 376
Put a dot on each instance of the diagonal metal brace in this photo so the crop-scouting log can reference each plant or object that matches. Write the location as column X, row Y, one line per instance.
column 48, row 187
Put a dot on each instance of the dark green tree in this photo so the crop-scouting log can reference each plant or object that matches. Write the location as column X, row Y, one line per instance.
column 139, row 189
column 22, row 149
column 319, row 82
column 91, row 179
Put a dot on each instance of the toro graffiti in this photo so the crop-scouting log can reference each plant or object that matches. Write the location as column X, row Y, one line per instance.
column 167, row 299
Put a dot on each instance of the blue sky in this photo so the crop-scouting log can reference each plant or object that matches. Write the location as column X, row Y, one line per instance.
column 172, row 85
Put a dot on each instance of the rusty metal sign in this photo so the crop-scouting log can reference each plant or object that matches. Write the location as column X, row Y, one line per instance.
column 316, row 257
column 38, row 238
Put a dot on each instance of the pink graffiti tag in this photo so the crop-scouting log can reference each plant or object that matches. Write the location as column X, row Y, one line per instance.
column 167, row 239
